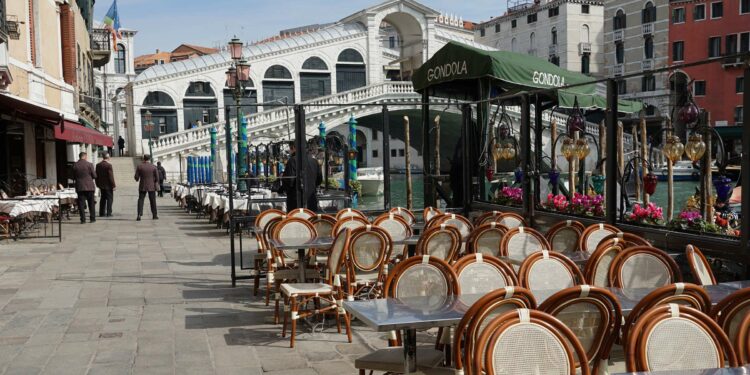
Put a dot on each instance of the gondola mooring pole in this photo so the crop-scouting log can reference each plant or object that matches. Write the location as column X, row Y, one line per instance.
column 611, row 162
column 528, row 209
column 466, row 178
column 386, row 159
column 427, row 168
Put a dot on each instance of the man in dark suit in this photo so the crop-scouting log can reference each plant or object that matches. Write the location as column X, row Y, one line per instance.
column 84, row 175
column 312, row 180
column 121, row 145
column 147, row 176
column 105, row 181
column 162, row 177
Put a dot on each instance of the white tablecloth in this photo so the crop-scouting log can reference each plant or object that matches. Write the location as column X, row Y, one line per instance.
column 14, row 208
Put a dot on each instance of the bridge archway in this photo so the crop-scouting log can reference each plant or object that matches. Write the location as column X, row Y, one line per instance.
column 200, row 105
column 403, row 32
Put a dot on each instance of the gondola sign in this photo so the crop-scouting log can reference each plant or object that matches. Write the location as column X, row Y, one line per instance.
column 449, row 70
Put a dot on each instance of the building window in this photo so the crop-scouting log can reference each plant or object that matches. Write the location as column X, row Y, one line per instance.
column 622, row 87
column 393, row 153
column 744, row 6
column 552, row 12
column 531, row 18
column 554, row 35
column 162, row 124
column 699, row 88
column 678, row 15
column 648, row 48
column 585, row 62
column 620, row 20
column 648, row 14
column 744, row 42
column 401, row 152
column 585, row 9
column 738, row 115
column 497, row 27
column 717, row 10
column 513, row 45
column 374, row 153
column 731, row 44
column 555, row 60
column 739, row 85
column 513, row 24
column 699, row 12
column 585, row 34
column 678, row 51
column 648, row 83
column 482, row 32
column 391, row 42
column 120, row 59
column 532, row 41
column 714, row 46
column 619, row 53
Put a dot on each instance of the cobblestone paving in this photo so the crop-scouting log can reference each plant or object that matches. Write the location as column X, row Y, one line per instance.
column 150, row 297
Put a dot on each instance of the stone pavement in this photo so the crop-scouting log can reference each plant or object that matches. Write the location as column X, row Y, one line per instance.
column 150, row 297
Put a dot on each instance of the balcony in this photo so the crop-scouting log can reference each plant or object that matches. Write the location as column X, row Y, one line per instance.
column 619, row 35
column 647, row 28
column 618, row 69
column 553, row 49
column 647, row 64
column 732, row 62
column 584, row 48
column 90, row 107
column 101, row 48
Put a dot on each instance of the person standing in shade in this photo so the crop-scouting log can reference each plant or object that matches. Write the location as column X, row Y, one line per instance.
column 312, row 179
column 84, row 174
column 162, row 177
column 147, row 176
column 121, row 145
column 105, row 181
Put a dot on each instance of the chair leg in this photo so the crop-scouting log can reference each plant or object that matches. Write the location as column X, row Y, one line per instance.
column 348, row 323
column 286, row 316
column 294, row 316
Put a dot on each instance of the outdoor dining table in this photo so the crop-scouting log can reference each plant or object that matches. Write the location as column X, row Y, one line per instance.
column 315, row 243
column 744, row 370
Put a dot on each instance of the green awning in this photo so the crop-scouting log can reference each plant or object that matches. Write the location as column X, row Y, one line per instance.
column 510, row 72
column 729, row 132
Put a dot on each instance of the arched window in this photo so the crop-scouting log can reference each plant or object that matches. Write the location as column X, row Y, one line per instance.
column 314, row 63
column 98, row 100
column 249, row 97
column 315, row 80
column 585, row 63
column 585, row 34
column 200, row 105
column 351, row 71
column 513, row 45
column 200, row 89
column 158, row 99
column 620, row 20
column 278, row 85
column 163, row 114
column 648, row 14
column 648, row 48
column 120, row 59
column 554, row 35
column 532, row 40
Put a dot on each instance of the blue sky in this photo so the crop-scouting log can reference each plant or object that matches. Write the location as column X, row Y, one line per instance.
column 164, row 24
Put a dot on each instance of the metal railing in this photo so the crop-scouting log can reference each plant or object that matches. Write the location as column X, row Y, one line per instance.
column 101, row 40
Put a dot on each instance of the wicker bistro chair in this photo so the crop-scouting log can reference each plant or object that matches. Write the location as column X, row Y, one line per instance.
column 443, row 242
column 594, row 316
column 673, row 338
column 429, row 213
column 596, row 270
column 398, row 229
column 302, row 213
column 273, row 262
column 680, row 293
column 742, row 342
column 486, row 239
column 511, row 220
column 366, row 258
column 329, row 292
column 405, row 214
column 418, row 276
column 518, row 243
column 324, row 227
column 699, row 266
column 473, row 323
column 524, row 341
column 480, row 274
column 628, row 239
column 351, row 222
column 563, row 237
column 548, row 271
column 264, row 217
column 349, row 212
column 593, row 234
column 730, row 312
column 487, row 217
column 289, row 231
column 461, row 223
column 643, row 267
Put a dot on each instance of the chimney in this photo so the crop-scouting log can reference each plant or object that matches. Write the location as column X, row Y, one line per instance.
column 157, row 50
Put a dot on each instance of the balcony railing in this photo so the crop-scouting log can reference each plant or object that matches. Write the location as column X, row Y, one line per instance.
column 584, row 47
column 729, row 62
column 618, row 69
column 553, row 49
column 101, row 46
column 647, row 28
column 647, row 64
column 619, row 35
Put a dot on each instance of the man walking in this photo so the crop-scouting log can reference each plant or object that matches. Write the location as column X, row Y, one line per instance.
column 121, row 145
column 105, row 181
column 312, row 179
column 84, row 174
column 162, row 177
column 147, row 176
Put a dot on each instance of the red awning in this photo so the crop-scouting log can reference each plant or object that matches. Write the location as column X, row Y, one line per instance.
column 77, row 133
column 29, row 110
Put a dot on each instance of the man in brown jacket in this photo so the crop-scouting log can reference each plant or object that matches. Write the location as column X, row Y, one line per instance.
column 84, row 174
column 105, row 181
column 148, row 177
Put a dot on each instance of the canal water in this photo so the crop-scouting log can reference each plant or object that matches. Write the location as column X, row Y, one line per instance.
column 682, row 191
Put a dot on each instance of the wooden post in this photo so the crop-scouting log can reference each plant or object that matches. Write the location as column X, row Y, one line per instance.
column 644, row 156
column 572, row 168
column 553, row 138
column 707, row 172
column 670, row 179
column 621, row 147
column 407, row 147
column 437, row 146
column 602, row 149
column 634, row 132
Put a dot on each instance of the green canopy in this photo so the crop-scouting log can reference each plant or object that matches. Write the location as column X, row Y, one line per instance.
column 509, row 72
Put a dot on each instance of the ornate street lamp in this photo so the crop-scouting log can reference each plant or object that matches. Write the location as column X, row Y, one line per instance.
column 149, row 127
column 238, row 77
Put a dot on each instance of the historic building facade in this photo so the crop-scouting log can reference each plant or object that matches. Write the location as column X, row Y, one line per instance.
column 568, row 33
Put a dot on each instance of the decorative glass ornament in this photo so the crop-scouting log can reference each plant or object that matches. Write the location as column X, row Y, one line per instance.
column 673, row 148
column 695, row 148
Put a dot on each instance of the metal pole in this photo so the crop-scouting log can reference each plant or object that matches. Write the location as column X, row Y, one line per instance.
column 407, row 164
column 301, row 146
column 466, row 162
column 353, row 161
column 386, row 159
column 644, row 157
column 228, row 136
column 528, row 209
column 612, row 159
column 538, row 150
column 427, row 170
column 745, row 181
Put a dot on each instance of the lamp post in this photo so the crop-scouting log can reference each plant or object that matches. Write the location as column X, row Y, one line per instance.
column 149, row 127
column 238, row 76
